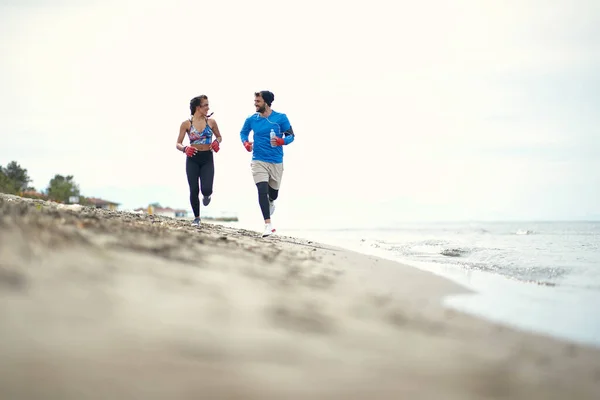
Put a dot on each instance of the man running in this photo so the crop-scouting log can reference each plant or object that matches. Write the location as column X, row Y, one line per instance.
column 272, row 130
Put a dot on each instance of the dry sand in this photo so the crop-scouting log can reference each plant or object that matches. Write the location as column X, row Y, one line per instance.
column 108, row 305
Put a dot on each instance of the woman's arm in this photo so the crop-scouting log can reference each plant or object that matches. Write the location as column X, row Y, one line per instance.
column 215, row 129
column 182, row 130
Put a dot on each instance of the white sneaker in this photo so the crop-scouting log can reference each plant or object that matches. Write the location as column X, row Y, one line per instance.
column 269, row 230
column 271, row 207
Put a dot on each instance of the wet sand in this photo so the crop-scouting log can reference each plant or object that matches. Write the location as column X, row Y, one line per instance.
column 97, row 304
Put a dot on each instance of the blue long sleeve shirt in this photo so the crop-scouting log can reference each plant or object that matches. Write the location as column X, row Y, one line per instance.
column 262, row 126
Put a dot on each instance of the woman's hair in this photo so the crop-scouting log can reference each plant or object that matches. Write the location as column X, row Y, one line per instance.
column 195, row 102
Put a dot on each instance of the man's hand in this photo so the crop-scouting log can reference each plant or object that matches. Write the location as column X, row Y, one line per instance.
column 248, row 146
column 215, row 146
column 189, row 150
column 277, row 141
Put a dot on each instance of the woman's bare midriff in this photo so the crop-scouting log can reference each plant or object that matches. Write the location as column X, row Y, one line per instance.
column 201, row 147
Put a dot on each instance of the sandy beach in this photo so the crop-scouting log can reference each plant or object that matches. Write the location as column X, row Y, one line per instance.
column 98, row 304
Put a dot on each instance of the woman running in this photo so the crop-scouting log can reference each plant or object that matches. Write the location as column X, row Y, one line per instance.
column 199, row 164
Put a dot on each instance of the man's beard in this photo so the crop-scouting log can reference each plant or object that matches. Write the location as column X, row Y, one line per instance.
column 262, row 109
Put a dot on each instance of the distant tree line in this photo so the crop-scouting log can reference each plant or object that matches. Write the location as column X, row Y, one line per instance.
column 15, row 180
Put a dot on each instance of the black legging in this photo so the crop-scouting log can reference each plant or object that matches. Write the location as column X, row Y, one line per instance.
column 266, row 193
column 200, row 167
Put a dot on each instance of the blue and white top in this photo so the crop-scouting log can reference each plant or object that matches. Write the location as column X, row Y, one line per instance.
column 204, row 137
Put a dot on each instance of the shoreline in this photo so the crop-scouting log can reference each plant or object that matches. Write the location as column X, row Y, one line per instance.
column 98, row 304
column 485, row 291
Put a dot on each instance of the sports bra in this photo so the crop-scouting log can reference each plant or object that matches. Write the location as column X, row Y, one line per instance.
column 204, row 137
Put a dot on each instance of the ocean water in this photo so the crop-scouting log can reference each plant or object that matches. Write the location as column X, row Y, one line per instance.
column 538, row 276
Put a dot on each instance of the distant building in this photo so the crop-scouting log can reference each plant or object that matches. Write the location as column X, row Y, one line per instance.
column 163, row 211
column 100, row 203
column 181, row 213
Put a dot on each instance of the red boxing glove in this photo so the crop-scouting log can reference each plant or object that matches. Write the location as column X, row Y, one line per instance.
column 248, row 146
column 277, row 141
column 189, row 151
column 215, row 146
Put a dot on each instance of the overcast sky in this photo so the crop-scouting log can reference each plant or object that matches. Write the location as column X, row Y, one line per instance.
column 403, row 110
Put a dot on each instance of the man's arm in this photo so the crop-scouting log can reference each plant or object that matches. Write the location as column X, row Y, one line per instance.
column 288, row 132
column 245, row 132
column 288, row 136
